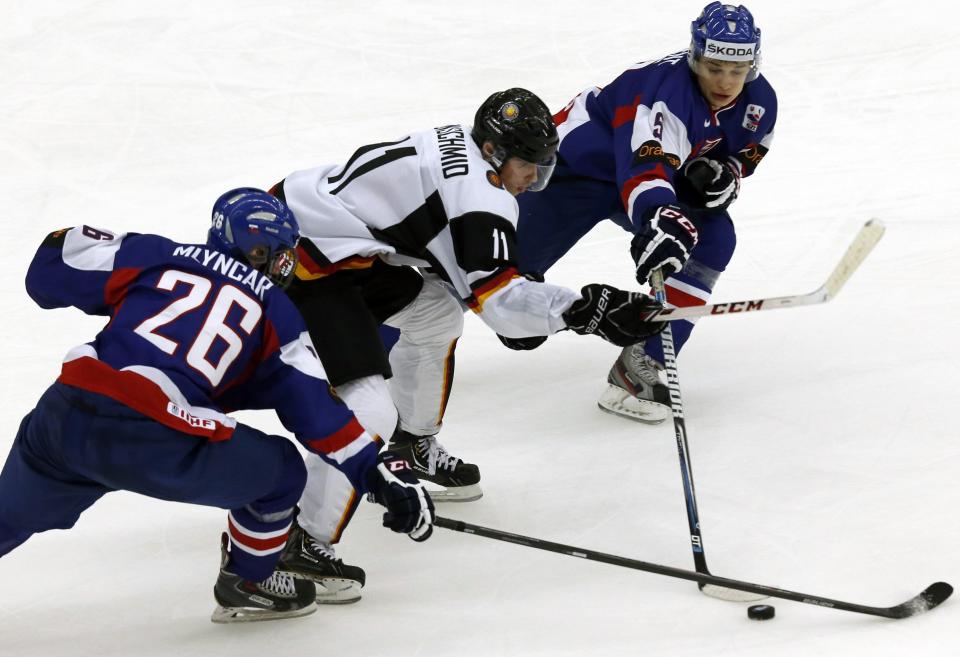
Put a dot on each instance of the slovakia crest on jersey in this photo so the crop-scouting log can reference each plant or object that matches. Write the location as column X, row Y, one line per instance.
column 751, row 119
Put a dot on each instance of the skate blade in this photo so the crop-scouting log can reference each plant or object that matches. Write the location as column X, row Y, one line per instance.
column 454, row 493
column 618, row 401
column 337, row 591
column 249, row 615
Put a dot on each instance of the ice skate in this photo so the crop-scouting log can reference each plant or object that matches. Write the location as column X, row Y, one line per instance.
column 278, row 596
column 634, row 388
column 459, row 481
column 304, row 557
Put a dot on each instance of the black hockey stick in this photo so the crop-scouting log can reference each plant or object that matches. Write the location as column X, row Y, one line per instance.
column 929, row 598
column 683, row 450
column 859, row 249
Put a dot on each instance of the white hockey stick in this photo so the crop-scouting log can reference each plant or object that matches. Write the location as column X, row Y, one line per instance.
column 861, row 246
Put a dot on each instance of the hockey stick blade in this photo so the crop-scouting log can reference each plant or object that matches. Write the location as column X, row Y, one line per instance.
column 856, row 253
column 929, row 598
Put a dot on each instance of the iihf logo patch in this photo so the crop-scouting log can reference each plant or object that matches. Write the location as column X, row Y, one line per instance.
column 751, row 119
column 510, row 111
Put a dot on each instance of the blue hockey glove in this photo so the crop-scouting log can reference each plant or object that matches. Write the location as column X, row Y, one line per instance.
column 409, row 507
column 615, row 315
column 717, row 183
column 665, row 243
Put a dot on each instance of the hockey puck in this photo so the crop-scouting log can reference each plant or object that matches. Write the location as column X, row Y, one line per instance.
column 760, row 612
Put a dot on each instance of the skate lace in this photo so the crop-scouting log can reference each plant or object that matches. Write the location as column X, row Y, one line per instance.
column 643, row 365
column 437, row 456
column 324, row 550
column 281, row 584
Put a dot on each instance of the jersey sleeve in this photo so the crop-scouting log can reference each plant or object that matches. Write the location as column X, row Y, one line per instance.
column 650, row 143
column 484, row 243
column 291, row 380
column 760, row 118
column 77, row 267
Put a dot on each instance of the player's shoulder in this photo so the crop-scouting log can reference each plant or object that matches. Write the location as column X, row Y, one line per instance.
column 667, row 81
column 761, row 92
column 664, row 77
column 468, row 183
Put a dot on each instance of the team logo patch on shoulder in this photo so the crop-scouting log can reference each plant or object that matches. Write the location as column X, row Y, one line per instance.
column 751, row 119
column 494, row 179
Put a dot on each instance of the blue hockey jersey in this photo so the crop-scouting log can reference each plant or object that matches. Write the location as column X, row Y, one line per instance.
column 192, row 335
column 639, row 130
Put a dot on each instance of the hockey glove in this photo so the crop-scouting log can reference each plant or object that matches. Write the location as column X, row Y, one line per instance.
column 717, row 183
column 525, row 344
column 664, row 244
column 409, row 507
column 615, row 315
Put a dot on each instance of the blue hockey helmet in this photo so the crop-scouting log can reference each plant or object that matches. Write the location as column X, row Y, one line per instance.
column 259, row 229
column 726, row 33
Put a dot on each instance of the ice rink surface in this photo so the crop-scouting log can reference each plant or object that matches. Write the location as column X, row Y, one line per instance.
column 824, row 439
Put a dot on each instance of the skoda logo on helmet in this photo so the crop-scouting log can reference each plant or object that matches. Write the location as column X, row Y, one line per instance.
column 732, row 52
column 510, row 111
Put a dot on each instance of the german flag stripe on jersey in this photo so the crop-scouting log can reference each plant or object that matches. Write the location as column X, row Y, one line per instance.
column 485, row 287
column 313, row 264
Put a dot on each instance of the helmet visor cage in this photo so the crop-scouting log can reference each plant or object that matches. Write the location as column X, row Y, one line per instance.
column 544, row 171
column 278, row 266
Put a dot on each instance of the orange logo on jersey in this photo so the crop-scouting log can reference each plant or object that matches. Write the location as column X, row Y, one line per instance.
column 494, row 179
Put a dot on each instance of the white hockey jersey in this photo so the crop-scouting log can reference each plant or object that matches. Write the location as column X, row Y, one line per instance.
column 428, row 200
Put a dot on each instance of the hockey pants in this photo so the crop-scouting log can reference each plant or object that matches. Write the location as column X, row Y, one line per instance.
column 77, row 446
column 414, row 399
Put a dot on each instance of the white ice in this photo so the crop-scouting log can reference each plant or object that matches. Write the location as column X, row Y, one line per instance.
column 824, row 439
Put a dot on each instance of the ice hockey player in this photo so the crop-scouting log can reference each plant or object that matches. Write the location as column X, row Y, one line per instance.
column 441, row 201
column 660, row 151
column 194, row 330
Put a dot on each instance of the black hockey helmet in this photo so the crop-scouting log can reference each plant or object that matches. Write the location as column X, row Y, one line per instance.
column 518, row 124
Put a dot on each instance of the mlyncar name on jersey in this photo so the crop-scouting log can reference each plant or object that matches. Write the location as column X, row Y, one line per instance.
column 224, row 264
column 453, row 151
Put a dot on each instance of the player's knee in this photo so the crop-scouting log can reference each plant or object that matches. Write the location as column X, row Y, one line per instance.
column 369, row 399
column 445, row 314
column 293, row 474
column 717, row 242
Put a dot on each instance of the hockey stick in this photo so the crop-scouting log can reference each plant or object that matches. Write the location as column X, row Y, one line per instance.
column 683, row 449
column 862, row 244
column 926, row 600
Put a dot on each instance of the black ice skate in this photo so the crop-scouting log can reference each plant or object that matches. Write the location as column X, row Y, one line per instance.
column 634, row 388
column 278, row 596
column 434, row 465
column 304, row 557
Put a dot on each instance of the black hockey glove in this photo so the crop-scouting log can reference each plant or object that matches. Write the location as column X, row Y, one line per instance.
column 522, row 344
column 409, row 507
column 664, row 244
column 615, row 315
column 525, row 344
column 716, row 183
